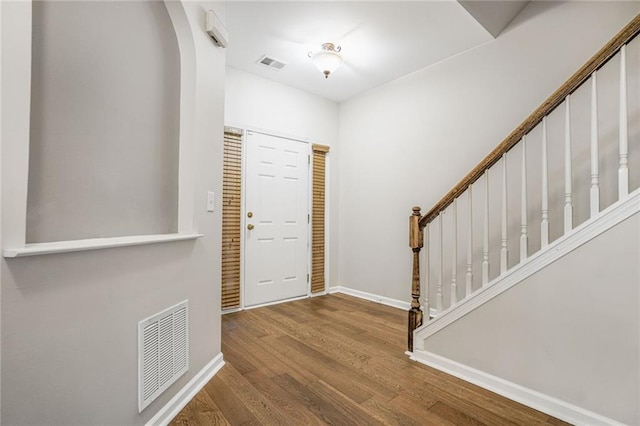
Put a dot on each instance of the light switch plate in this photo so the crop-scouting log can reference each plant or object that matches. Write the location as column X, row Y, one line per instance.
column 210, row 201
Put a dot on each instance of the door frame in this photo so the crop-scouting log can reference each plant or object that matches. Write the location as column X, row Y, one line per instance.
column 243, row 210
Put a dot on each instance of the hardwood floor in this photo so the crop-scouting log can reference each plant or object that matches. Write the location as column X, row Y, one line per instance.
column 336, row 360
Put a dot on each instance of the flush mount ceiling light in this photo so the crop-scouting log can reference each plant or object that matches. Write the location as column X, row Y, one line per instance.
column 327, row 59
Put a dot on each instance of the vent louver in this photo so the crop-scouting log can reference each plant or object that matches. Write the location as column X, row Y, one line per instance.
column 272, row 63
column 163, row 351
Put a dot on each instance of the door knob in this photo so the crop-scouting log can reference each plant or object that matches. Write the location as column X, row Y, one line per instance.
column 250, row 227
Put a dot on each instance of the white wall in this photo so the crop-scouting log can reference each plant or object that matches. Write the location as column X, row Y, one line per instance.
column 408, row 142
column 69, row 321
column 1, row 240
column 569, row 331
column 260, row 104
column 266, row 105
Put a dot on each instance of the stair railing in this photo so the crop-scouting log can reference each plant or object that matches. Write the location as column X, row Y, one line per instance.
column 420, row 225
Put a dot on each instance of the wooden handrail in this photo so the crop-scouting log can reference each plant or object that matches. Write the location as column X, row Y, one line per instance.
column 596, row 62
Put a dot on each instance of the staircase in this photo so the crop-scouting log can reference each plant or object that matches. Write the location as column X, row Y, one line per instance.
column 530, row 284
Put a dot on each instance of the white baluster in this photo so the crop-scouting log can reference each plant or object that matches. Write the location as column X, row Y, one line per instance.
column 439, row 289
column 623, row 170
column 427, row 309
column 504, row 254
column 595, row 178
column 568, row 203
column 523, row 203
column 544, row 224
column 454, row 254
column 485, row 237
column 469, row 275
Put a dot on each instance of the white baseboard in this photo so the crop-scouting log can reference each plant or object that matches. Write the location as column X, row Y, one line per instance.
column 187, row 393
column 277, row 302
column 539, row 401
column 394, row 303
column 371, row 297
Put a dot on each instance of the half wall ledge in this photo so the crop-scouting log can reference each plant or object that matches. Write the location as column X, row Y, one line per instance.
column 94, row 244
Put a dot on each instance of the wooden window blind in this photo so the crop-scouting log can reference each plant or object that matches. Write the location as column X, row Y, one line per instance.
column 231, row 232
column 318, row 218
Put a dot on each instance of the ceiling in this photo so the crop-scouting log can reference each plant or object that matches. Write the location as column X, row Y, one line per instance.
column 380, row 40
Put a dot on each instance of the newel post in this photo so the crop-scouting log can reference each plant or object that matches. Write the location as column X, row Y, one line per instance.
column 416, row 242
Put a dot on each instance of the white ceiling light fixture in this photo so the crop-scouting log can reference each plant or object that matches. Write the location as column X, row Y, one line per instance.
column 327, row 59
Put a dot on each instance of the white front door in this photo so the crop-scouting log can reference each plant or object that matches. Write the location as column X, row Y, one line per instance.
column 276, row 219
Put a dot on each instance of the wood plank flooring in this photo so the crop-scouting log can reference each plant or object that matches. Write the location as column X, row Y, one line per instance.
column 337, row 360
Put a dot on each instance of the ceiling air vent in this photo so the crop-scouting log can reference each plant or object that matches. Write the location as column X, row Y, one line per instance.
column 272, row 63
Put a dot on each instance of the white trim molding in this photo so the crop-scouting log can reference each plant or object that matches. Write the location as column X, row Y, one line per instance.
column 187, row 393
column 371, row 297
column 275, row 302
column 529, row 397
column 94, row 244
column 564, row 245
column 394, row 303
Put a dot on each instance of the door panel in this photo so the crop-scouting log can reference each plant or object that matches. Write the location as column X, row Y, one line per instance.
column 276, row 258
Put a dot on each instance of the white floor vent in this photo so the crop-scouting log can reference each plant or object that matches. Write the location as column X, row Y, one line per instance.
column 163, row 351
